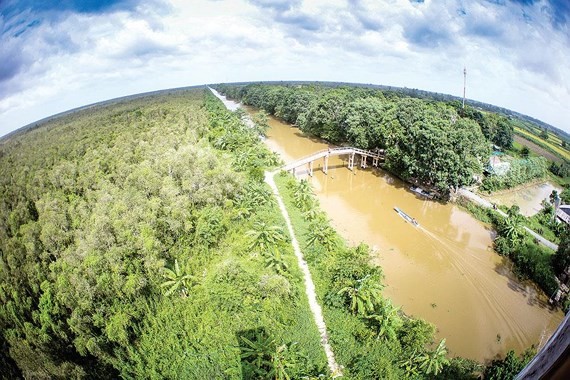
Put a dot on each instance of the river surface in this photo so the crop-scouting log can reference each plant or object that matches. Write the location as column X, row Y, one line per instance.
column 529, row 198
column 444, row 271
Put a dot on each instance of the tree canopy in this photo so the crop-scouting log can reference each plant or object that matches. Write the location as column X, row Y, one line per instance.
column 425, row 141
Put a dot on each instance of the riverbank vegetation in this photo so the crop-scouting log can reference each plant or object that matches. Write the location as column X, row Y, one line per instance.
column 425, row 142
column 134, row 243
column 425, row 139
column 521, row 171
column 141, row 242
column 370, row 336
column 530, row 259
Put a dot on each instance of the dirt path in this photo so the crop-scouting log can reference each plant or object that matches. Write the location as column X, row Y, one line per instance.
column 316, row 310
column 309, row 285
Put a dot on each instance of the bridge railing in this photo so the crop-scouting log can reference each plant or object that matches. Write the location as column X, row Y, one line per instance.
column 349, row 150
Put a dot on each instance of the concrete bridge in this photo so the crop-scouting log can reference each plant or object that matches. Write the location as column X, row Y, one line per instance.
column 376, row 155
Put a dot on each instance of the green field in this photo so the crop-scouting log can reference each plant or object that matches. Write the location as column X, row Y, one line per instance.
column 547, row 144
column 552, row 144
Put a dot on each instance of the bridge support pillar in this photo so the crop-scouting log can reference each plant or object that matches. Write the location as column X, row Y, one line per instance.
column 363, row 162
column 351, row 161
column 311, row 168
column 326, row 165
column 375, row 161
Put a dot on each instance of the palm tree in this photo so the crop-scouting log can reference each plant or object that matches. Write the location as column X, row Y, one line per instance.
column 303, row 195
column 433, row 362
column 177, row 281
column 258, row 352
column 251, row 198
column 363, row 295
column 410, row 365
column 283, row 360
column 313, row 213
column 320, row 232
column 512, row 228
column 276, row 261
column 386, row 320
column 261, row 122
column 264, row 236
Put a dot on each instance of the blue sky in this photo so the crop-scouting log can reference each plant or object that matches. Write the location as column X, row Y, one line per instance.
column 58, row 55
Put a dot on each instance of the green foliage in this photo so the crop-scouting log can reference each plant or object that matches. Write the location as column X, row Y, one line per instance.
column 416, row 334
column 530, row 260
column 264, row 236
column 177, row 281
column 509, row 367
column 363, row 295
column 261, row 122
column 562, row 170
column 561, row 260
column 521, row 171
column 425, row 141
column 432, row 363
column 461, row 369
column 121, row 254
column 565, row 196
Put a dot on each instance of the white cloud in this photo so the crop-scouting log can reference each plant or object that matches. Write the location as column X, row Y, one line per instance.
column 515, row 56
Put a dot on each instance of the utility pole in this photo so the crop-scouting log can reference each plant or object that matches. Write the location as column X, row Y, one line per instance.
column 464, row 84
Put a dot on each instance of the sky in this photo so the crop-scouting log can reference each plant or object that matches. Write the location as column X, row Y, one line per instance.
column 56, row 55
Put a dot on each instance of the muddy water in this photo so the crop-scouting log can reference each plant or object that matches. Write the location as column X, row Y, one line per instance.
column 529, row 199
column 443, row 271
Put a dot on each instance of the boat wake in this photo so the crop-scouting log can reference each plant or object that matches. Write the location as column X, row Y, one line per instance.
column 493, row 294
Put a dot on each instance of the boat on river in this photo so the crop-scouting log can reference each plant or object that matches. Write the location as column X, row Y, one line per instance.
column 422, row 192
column 407, row 217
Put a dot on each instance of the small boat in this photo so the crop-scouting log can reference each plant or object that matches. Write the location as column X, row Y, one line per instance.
column 422, row 192
column 407, row 217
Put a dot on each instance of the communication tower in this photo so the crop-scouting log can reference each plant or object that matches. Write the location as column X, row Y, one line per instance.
column 464, row 83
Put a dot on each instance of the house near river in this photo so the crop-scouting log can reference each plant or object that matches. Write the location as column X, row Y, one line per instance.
column 563, row 213
column 497, row 166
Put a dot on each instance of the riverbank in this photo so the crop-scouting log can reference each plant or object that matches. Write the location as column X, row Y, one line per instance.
column 444, row 272
column 314, row 305
column 524, row 186
column 359, row 343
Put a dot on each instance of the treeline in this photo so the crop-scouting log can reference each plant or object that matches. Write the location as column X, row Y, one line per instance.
column 433, row 143
column 131, row 245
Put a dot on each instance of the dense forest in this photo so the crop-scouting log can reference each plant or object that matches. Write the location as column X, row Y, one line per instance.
column 128, row 248
column 439, row 145
column 138, row 240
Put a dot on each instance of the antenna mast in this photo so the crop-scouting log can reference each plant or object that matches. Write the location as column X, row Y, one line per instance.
column 464, row 83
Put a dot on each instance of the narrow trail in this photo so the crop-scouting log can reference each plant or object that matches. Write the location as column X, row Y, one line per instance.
column 309, row 285
column 316, row 310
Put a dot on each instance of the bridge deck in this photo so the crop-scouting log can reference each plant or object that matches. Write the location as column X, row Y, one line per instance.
column 333, row 152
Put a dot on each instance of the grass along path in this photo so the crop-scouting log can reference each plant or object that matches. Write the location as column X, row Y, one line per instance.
column 316, row 309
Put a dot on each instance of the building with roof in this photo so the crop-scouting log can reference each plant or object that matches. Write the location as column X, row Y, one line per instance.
column 563, row 213
column 497, row 167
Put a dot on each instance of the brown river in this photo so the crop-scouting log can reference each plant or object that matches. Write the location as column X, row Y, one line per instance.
column 443, row 271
